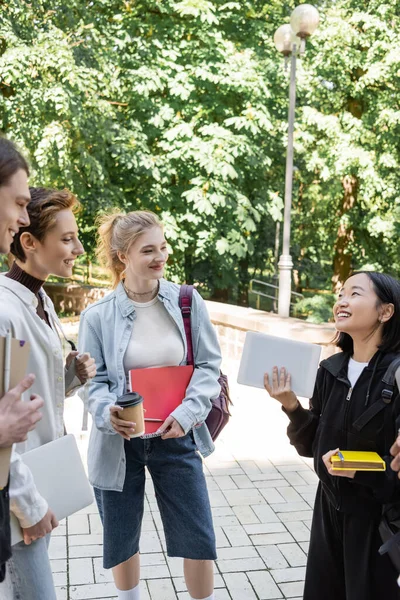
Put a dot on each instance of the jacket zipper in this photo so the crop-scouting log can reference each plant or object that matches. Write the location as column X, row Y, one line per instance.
column 349, row 393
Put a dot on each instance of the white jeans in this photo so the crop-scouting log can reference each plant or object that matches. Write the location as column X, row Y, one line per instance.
column 29, row 575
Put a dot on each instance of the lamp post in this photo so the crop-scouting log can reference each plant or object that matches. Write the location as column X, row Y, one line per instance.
column 289, row 40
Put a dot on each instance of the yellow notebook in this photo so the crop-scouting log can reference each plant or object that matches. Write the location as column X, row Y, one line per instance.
column 358, row 461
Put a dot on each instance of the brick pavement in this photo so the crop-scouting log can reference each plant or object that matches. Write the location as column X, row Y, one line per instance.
column 261, row 494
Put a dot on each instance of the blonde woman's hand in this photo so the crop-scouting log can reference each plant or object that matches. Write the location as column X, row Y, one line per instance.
column 328, row 464
column 280, row 389
column 171, row 429
column 124, row 428
column 85, row 366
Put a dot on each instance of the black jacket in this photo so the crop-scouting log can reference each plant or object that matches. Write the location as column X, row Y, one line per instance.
column 5, row 535
column 345, row 418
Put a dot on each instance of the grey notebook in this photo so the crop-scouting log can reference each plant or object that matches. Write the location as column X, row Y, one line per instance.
column 60, row 478
column 261, row 352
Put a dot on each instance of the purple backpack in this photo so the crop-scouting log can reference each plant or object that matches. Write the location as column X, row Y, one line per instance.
column 219, row 414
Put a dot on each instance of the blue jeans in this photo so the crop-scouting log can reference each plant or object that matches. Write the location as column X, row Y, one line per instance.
column 182, row 497
column 29, row 575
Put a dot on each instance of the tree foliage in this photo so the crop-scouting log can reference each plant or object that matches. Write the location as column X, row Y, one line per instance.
column 181, row 106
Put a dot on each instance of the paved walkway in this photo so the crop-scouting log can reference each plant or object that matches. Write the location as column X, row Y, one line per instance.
column 261, row 494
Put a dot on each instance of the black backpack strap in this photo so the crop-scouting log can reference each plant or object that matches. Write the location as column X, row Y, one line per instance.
column 386, row 397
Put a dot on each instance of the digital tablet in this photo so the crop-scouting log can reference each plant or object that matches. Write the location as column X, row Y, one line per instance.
column 60, row 478
column 262, row 352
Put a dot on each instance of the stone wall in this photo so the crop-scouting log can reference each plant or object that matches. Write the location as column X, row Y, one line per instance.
column 231, row 321
column 73, row 298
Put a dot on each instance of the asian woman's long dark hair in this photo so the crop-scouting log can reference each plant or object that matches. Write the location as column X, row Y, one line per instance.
column 387, row 289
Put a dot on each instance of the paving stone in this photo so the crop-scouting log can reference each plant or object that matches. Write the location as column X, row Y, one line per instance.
column 221, row 594
column 299, row 531
column 265, row 513
column 211, row 483
column 272, row 496
column 310, row 498
column 222, row 511
column 61, row 593
column 250, row 467
column 240, row 497
column 309, row 477
column 95, row 525
column 225, row 483
column 154, row 572
column 84, row 551
column 150, row 542
column 161, row 588
column 272, row 557
column 285, row 517
column 293, row 554
column 237, row 536
column 101, row 575
column 225, row 521
column 81, row 571
column 289, row 574
column 246, row 515
column 304, row 546
column 221, row 538
column 60, row 530
column 180, row 584
column 271, row 476
column 58, row 565
column 85, row 540
column 58, row 548
column 264, row 585
column 290, row 507
column 265, row 528
column 271, row 538
column 243, row 482
column 294, row 478
column 290, row 494
column 96, row 590
column 239, row 586
column 240, row 564
column 232, row 553
column 217, row 499
column 290, row 590
column 60, row 579
column 78, row 524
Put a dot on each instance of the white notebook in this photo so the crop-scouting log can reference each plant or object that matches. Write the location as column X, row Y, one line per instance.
column 261, row 352
column 60, row 478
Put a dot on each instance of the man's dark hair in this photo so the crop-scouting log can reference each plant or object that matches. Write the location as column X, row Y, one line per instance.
column 11, row 161
column 387, row 289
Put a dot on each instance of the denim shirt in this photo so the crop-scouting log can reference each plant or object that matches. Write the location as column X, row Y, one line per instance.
column 105, row 331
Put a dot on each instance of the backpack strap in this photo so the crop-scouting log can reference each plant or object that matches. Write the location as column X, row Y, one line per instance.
column 386, row 396
column 185, row 304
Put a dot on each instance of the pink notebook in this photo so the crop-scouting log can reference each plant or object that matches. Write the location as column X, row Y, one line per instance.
column 163, row 389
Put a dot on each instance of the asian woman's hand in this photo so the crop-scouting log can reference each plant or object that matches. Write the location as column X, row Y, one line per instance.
column 85, row 366
column 124, row 428
column 327, row 462
column 280, row 389
column 171, row 428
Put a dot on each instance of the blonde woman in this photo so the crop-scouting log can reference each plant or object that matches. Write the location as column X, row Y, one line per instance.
column 140, row 325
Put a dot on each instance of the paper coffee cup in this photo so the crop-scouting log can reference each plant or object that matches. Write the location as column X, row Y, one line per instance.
column 132, row 403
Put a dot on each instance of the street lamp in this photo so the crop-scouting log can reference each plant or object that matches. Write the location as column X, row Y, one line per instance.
column 290, row 39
